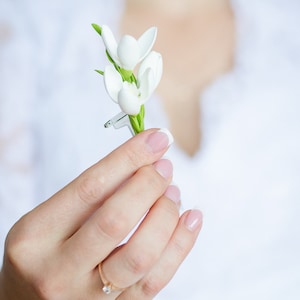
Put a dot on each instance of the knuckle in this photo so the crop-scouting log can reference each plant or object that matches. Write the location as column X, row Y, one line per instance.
column 150, row 178
column 151, row 287
column 180, row 248
column 133, row 159
column 90, row 188
column 24, row 260
column 14, row 253
column 139, row 263
column 18, row 245
column 112, row 225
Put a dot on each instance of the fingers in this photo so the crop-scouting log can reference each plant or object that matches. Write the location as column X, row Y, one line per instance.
column 177, row 249
column 114, row 220
column 145, row 247
column 69, row 208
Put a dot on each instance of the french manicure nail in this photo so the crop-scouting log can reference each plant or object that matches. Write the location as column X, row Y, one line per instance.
column 164, row 167
column 159, row 140
column 193, row 220
column 173, row 193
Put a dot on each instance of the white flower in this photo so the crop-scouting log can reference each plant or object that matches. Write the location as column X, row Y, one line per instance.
column 130, row 95
column 129, row 52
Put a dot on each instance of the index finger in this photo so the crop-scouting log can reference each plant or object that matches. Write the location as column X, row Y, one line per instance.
column 69, row 208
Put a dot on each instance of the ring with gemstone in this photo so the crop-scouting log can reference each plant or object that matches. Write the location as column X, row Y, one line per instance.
column 108, row 287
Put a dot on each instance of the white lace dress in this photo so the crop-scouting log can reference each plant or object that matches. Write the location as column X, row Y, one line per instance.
column 245, row 178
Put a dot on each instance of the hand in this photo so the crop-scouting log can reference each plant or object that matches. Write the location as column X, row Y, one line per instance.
column 54, row 251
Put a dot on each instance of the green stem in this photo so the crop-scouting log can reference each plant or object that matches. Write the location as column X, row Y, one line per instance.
column 137, row 121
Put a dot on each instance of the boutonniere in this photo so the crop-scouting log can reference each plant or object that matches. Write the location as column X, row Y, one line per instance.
column 132, row 75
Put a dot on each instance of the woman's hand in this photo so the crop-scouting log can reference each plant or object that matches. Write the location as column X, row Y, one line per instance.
column 54, row 251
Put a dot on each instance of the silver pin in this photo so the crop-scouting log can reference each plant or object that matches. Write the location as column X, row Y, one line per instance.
column 118, row 121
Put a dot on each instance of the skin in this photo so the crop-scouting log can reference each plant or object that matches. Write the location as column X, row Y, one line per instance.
column 54, row 250
column 196, row 40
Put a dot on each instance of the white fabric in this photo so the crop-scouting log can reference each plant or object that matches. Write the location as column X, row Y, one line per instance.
column 245, row 178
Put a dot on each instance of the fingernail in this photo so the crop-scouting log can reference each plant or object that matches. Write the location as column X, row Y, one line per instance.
column 173, row 193
column 159, row 140
column 193, row 220
column 164, row 167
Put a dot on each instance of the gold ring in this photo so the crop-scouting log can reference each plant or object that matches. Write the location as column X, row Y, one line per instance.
column 108, row 287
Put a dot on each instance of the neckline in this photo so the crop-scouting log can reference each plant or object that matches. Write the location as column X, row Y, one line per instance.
column 155, row 113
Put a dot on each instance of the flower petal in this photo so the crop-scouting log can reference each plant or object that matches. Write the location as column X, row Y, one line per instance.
column 146, row 85
column 129, row 103
column 110, row 42
column 154, row 62
column 128, row 52
column 146, row 41
column 113, row 82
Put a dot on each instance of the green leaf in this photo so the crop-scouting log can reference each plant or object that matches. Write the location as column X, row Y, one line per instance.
column 97, row 28
column 109, row 57
column 112, row 61
column 100, row 72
